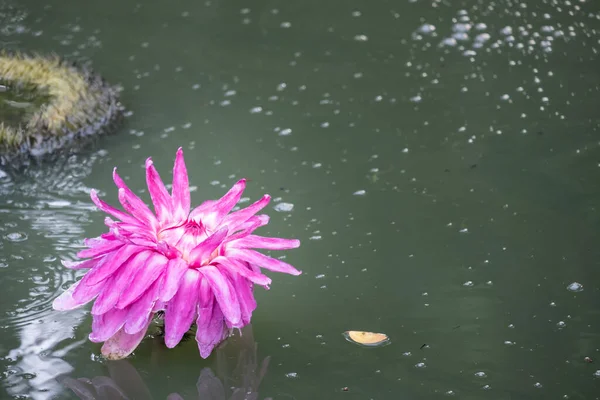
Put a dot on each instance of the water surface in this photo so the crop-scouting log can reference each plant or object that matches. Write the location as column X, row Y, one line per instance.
column 442, row 160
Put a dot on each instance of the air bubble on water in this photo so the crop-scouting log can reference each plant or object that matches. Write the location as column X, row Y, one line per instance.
column 361, row 38
column 426, row 28
column 450, row 42
column 468, row 284
column 537, row 385
column 597, row 374
column 461, row 27
column 16, row 236
column 283, row 207
column 286, row 24
column 450, row 393
column 320, row 276
column 285, row 132
column 460, row 36
column 507, row 30
column 360, row 193
column 256, row 110
column 420, row 365
column 575, row 287
column 480, row 374
column 482, row 38
column 561, row 324
column 292, row 375
column 486, row 387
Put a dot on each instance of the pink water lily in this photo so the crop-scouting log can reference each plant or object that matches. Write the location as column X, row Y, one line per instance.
column 196, row 266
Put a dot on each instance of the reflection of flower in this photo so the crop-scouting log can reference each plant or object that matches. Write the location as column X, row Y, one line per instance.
column 125, row 382
column 194, row 265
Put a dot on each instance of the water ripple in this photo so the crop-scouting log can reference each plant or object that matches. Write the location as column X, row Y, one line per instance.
column 44, row 212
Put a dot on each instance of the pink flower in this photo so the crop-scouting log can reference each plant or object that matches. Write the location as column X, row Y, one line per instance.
column 195, row 266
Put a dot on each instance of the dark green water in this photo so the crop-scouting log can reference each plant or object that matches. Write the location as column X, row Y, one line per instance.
column 442, row 159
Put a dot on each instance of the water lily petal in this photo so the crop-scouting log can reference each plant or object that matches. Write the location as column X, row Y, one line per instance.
column 130, row 230
column 173, row 274
column 260, row 242
column 224, row 293
column 99, row 247
column 181, row 310
column 262, row 261
column 159, row 305
column 145, row 276
column 234, row 266
column 237, row 218
column 243, row 289
column 158, row 193
column 107, row 298
column 213, row 213
column 201, row 254
column 119, row 282
column 106, row 325
column 86, row 264
column 122, row 344
column 180, row 192
column 211, row 328
column 67, row 300
column 133, row 204
column 110, row 264
column 120, row 215
column 141, row 310
column 246, row 228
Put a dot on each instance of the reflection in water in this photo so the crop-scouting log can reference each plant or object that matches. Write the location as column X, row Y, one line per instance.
column 237, row 383
column 41, row 205
column 40, row 362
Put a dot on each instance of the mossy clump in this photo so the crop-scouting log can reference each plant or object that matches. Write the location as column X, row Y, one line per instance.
column 48, row 103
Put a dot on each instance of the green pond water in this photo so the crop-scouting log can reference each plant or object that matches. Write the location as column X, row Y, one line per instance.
column 439, row 160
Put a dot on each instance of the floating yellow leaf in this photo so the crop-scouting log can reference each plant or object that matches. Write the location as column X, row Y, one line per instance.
column 370, row 339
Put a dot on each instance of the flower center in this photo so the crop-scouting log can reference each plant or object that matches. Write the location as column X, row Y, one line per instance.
column 184, row 237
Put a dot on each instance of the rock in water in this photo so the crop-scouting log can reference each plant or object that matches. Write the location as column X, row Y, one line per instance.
column 47, row 104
